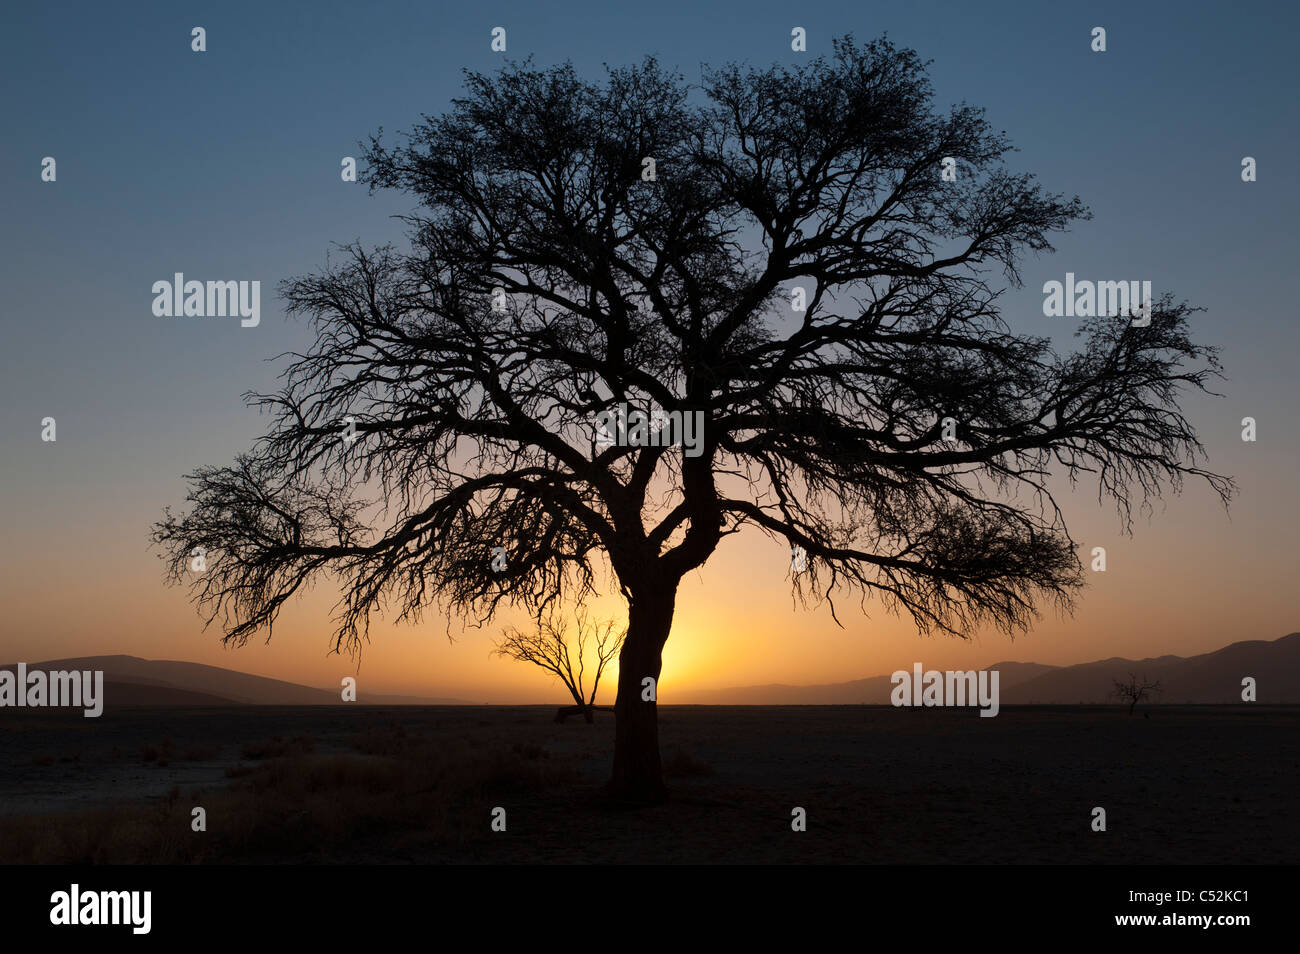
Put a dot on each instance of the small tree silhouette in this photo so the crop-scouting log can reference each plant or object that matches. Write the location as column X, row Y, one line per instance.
column 1135, row 690
column 774, row 253
column 547, row 646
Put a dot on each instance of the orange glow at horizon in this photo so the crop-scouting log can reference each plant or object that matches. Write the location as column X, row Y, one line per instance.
column 1171, row 588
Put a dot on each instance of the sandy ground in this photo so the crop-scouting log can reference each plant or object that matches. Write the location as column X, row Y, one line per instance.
column 879, row 785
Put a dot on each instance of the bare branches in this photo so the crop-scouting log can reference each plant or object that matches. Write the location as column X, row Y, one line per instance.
column 548, row 646
column 437, row 443
column 1135, row 690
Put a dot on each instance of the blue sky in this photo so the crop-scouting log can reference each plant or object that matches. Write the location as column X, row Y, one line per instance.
column 225, row 165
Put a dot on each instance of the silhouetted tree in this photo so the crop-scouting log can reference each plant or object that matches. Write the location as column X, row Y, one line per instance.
column 1135, row 690
column 555, row 273
column 547, row 646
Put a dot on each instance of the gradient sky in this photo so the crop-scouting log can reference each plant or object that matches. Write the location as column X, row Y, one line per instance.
column 225, row 165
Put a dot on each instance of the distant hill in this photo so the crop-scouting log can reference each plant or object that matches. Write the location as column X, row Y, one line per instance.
column 871, row 691
column 1208, row 678
column 132, row 681
column 124, row 695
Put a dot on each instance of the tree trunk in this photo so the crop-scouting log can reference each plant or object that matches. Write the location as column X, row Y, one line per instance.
column 638, row 774
column 587, row 712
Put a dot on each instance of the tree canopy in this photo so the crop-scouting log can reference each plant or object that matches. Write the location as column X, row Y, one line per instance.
column 552, row 274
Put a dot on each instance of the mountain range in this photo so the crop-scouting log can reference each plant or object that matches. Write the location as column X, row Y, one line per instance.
column 1209, row 678
column 132, row 681
column 1214, row 677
